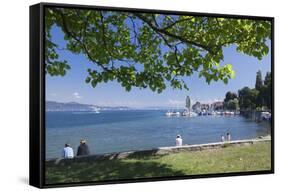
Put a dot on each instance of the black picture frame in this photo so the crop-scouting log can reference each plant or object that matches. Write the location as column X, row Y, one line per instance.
column 37, row 95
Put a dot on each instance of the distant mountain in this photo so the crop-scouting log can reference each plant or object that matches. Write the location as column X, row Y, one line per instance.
column 71, row 106
column 74, row 106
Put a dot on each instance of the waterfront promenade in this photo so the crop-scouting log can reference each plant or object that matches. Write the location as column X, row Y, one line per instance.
column 157, row 151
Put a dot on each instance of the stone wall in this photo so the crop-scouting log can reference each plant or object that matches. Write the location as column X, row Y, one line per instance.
column 156, row 151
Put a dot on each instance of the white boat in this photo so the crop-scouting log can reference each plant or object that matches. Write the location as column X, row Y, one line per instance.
column 212, row 113
column 189, row 114
column 265, row 115
column 229, row 113
column 219, row 113
column 169, row 113
column 203, row 112
column 95, row 110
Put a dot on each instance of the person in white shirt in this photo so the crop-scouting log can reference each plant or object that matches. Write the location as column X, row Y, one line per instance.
column 178, row 140
column 67, row 152
column 222, row 138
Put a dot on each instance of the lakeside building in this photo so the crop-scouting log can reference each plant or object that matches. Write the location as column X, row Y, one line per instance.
column 196, row 107
column 205, row 106
column 218, row 105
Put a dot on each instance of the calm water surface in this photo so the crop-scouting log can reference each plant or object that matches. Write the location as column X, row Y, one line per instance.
column 114, row 131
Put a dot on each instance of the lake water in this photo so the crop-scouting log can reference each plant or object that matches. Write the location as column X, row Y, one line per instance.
column 114, row 131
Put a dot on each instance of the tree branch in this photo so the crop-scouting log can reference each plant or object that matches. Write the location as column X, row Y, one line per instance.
column 165, row 32
column 69, row 33
column 136, row 40
column 176, row 22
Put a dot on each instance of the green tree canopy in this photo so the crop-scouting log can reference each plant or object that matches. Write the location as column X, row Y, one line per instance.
column 267, row 79
column 259, row 82
column 232, row 104
column 264, row 96
column 187, row 102
column 268, row 90
column 248, row 98
column 151, row 50
column 230, row 96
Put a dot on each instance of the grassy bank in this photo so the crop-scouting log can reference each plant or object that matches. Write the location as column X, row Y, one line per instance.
column 229, row 159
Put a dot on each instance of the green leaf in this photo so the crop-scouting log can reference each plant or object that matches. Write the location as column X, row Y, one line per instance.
column 125, row 46
column 88, row 80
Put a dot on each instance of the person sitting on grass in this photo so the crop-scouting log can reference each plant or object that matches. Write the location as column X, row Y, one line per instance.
column 83, row 148
column 67, row 152
column 178, row 141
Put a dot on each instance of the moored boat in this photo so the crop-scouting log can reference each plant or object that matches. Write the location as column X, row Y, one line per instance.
column 173, row 113
column 189, row 114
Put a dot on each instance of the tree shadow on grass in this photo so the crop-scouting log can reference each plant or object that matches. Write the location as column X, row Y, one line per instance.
column 108, row 170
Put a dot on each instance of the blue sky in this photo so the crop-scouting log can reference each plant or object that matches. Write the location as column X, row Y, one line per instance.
column 72, row 86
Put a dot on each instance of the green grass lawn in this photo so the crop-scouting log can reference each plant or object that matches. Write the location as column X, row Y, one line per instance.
column 229, row 159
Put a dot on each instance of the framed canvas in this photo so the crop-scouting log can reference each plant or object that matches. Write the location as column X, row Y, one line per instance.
column 128, row 95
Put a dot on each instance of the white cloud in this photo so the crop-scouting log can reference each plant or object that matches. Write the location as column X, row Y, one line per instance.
column 76, row 95
column 53, row 94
